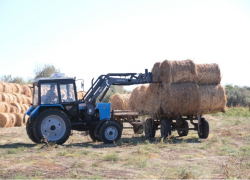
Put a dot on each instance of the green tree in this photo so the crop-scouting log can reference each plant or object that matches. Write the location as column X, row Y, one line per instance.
column 45, row 71
column 9, row 79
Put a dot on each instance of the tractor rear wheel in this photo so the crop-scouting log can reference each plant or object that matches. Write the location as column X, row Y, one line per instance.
column 149, row 128
column 52, row 125
column 110, row 132
column 29, row 130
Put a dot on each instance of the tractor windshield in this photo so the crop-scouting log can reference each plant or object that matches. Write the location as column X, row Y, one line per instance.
column 49, row 93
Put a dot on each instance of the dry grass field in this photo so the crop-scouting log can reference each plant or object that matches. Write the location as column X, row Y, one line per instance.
column 225, row 154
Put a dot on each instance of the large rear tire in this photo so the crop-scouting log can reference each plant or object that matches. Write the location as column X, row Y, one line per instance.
column 204, row 129
column 149, row 128
column 110, row 132
column 29, row 130
column 52, row 125
column 166, row 129
column 183, row 132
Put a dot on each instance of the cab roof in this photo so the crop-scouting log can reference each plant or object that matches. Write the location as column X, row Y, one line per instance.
column 54, row 80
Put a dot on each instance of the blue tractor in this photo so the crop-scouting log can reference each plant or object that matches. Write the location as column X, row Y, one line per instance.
column 56, row 110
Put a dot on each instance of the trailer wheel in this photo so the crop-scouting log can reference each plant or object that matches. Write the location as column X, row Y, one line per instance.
column 110, row 131
column 204, row 129
column 166, row 129
column 138, row 129
column 93, row 137
column 29, row 130
column 183, row 132
column 149, row 128
column 52, row 125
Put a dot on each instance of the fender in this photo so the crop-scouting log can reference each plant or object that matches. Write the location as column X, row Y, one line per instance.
column 34, row 113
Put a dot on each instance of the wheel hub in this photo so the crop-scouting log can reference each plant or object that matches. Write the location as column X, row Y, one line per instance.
column 53, row 128
column 111, row 133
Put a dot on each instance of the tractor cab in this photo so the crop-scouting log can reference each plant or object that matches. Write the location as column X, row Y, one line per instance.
column 56, row 92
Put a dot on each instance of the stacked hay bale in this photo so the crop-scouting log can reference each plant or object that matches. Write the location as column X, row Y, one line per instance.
column 15, row 100
column 182, row 89
column 120, row 102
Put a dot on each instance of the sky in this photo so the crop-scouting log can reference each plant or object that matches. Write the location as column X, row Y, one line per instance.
column 88, row 38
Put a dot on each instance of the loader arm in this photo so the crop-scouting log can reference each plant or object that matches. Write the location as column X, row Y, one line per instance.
column 104, row 82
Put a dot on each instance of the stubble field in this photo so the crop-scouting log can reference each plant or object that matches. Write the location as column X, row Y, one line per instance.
column 225, row 154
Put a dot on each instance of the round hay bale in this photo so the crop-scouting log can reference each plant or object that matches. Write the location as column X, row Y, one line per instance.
column 156, row 72
column 212, row 99
column 133, row 100
column 208, row 74
column 1, row 86
column 5, row 97
column 19, row 119
column 14, row 89
column 120, row 101
column 7, row 88
column 183, row 72
column 80, row 94
column 26, row 90
column 24, row 99
column 4, row 120
column 12, row 119
column 29, row 100
column 4, row 107
column 1, row 97
column 18, row 107
column 13, row 109
column 19, row 89
column 165, row 71
column 26, row 107
column 19, row 98
column 152, row 102
column 180, row 99
column 12, row 98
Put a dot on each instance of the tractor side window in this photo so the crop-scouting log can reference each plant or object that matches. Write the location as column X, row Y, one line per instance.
column 67, row 93
column 49, row 94
column 35, row 96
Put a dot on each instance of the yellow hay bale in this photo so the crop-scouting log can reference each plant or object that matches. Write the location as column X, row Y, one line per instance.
column 19, row 119
column 26, row 90
column 178, row 72
column 212, row 99
column 80, row 94
column 5, row 97
column 4, row 120
column 120, row 101
column 19, row 98
column 29, row 100
column 12, row 119
column 180, row 99
column 24, row 99
column 19, row 89
column 208, row 74
column 18, row 107
column 156, row 72
column 4, row 107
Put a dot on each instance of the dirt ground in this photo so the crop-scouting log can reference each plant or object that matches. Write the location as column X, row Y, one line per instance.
column 225, row 154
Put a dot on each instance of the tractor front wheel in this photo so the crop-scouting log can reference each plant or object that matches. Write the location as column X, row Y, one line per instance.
column 110, row 132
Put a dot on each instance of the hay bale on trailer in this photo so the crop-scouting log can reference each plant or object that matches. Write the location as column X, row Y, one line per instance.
column 208, row 74
column 137, row 98
column 178, row 72
column 120, row 102
column 156, row 72
column 180, row 99
column 212, row 99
